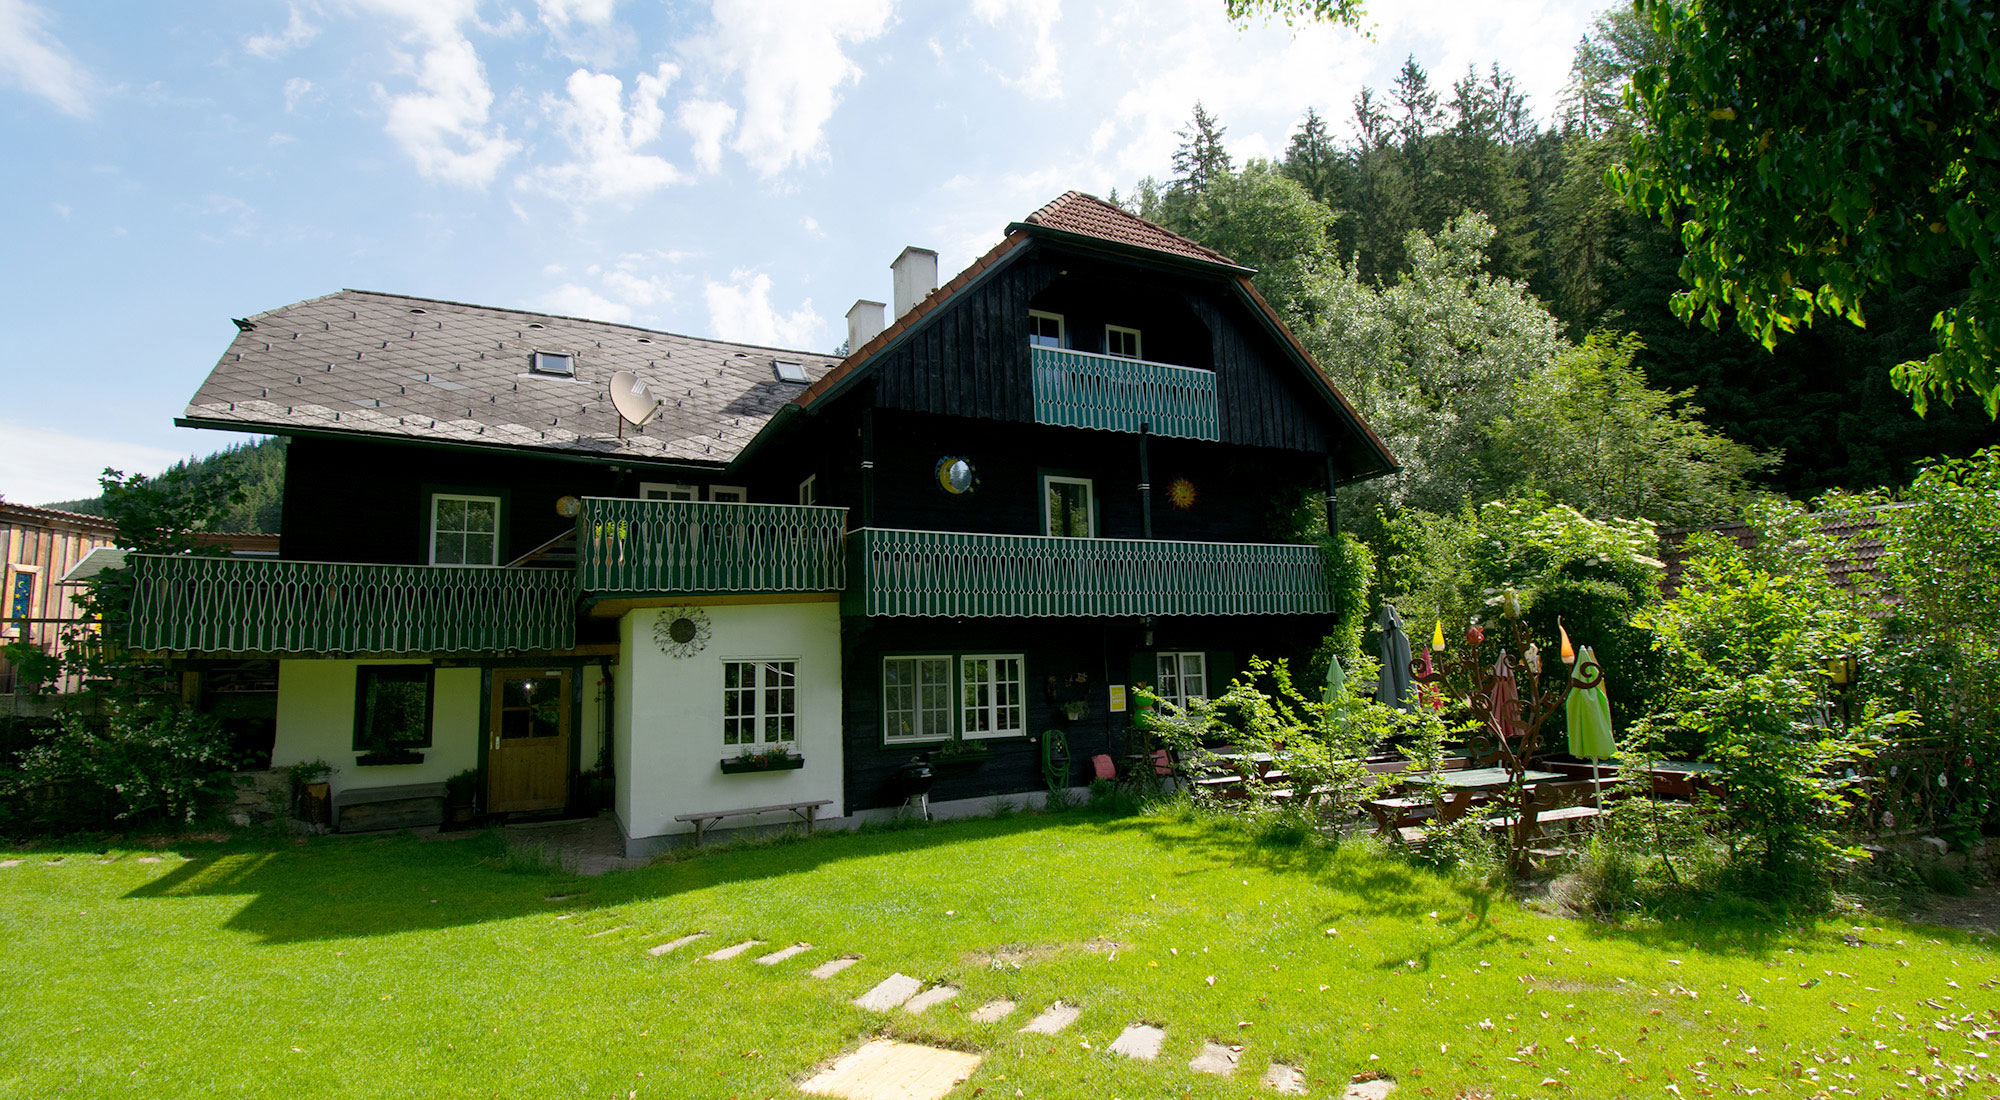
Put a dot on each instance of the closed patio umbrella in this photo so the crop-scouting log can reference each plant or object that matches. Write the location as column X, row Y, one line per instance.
column 1336, row 681
column 1394, row 686
column 1503, row 702
column 1589, row 711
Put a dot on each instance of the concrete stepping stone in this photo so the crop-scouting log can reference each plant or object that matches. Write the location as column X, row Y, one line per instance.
column 1141, row 1041
column 18, row 862
column 675, row 945
column 783, row 953
column 889, row 992
column 1215, row 1058
column 992, row 1012
column 831, row 967
column 149, row 859
column 1286, row 1079
column 733, row 950
column 884, row 1069
column 1053, row 1019
column 935, row 995
column 1369, row 1090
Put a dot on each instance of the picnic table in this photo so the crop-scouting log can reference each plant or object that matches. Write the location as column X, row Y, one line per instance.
column 1483, row 779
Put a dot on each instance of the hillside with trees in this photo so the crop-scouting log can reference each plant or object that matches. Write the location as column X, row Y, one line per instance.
column 258, row 465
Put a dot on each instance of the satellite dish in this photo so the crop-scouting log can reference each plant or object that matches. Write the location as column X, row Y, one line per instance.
column 634, row 402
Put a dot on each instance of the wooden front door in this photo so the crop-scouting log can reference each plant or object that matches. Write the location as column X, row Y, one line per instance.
column 527, row 748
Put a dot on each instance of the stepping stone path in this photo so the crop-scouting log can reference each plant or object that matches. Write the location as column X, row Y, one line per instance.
column 732, row 951
column 992, row 1012
column 884, row 1069
column 1215, row 1058
column 14, row 862
column 831, row 967
column 1285, row 1078
column 1053, row 1019
column 675, row 945
column 149, row 859
column 1370, row 1090
column 936, row 995
column 783, row 953
column 890, row 992
column 1141, row 1041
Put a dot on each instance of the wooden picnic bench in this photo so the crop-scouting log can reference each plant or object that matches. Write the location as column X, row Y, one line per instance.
column 807, row 812
column 406, row 806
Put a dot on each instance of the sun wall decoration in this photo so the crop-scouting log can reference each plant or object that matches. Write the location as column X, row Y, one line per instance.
column 1182, row 494
column 681, row 631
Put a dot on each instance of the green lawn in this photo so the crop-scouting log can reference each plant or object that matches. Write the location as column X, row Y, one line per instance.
column 398, row 967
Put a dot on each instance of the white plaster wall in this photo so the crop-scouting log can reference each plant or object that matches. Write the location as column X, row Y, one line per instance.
column 669, row 733
column 316, row 722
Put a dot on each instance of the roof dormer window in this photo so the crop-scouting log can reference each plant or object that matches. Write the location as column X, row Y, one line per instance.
column 558, row 363
column 789, row 371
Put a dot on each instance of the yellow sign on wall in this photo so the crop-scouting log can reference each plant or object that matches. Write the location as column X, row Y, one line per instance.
column 1117, row 698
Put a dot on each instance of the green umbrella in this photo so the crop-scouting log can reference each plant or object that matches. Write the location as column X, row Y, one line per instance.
column 1336, row 681
column 1589, row 712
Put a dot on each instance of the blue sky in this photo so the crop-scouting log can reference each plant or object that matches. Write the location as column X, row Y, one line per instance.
column 737, row 169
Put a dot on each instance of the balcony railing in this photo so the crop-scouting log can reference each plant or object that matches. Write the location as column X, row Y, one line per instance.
column 936, row 573
column 675, row 547
column 1076, row 389
column 251, row 605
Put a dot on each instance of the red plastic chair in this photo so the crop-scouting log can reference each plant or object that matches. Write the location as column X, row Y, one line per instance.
column 1104, row 767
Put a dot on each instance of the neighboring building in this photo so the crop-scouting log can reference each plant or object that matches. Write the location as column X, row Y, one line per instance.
column 1057, row 475
column 41, row 546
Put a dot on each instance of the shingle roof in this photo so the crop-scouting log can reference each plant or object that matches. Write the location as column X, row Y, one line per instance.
column 1858, row 536
column 1090, row 216
column 422, row 369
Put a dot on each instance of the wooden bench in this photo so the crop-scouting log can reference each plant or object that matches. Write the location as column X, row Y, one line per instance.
column 807, row 812
column 409, row 806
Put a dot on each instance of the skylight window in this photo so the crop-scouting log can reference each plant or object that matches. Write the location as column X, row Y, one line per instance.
column 789, row 371
column 559, row 363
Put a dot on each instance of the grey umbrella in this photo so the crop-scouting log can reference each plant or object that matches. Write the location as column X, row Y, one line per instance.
column 1394, row 688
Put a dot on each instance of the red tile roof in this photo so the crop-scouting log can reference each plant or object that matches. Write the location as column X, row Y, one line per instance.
column 1090, row 216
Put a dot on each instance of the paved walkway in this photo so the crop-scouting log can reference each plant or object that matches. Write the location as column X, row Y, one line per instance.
column 588, row 847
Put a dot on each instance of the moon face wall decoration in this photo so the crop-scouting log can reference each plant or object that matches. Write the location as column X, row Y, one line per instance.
column 956, row 476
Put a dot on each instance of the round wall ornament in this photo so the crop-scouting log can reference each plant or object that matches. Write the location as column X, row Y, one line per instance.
column 681, row 631
column 1182, row 494
column 955, row 475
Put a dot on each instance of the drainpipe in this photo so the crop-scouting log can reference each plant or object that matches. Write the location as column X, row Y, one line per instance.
column 1145, row 484
column 868, row 466
column 1333, row 521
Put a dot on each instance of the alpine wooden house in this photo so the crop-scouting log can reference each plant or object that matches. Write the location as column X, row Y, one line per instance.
column 1058, row 475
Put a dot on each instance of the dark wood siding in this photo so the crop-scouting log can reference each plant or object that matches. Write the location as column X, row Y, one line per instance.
column 971, row 358
column 1103, row 651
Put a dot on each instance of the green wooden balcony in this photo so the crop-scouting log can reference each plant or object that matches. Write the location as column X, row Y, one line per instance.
column 684, row 547
column 937, row 573
column 256, row 606
column 1077, row 389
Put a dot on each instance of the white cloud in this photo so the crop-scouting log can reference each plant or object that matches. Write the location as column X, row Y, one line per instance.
column 296, row 91
column 444, row 126
column 297, row 32
column 790, row 64
column 32, row 59
column 741, row 310
column 709, row 121
column 41, row 465
column 557, row 14
column 1043, row 78
column 575, row 300
column 62, row 210
column 605, row 137
column 811, row 225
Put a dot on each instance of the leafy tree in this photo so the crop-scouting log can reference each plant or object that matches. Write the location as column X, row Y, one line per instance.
column 1262, row 218
column 1814, row 153
column 1342, row 12
column 260, row 468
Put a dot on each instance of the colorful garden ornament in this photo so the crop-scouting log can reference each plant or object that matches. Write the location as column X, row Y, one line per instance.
column 1589, row 713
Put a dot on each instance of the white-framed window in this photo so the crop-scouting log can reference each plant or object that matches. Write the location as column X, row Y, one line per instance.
column 916, row 698
column 989, row 689
column 465, row 530
column 1069, row 507
column 668, row 490
column 759, row 701
column 1045, row 330
column 809, row 490
column 1183, row 677
column 732, row 494
column 1122, row 342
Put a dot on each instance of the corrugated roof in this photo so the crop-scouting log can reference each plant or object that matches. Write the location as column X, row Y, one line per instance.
column 1090, row 216
column 423, row 369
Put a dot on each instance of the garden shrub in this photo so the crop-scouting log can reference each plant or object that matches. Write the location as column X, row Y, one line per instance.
column 138, row 765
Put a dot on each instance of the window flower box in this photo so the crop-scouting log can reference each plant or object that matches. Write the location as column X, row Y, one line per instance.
column 384, row 757
column 962, row 754
column 763, row 762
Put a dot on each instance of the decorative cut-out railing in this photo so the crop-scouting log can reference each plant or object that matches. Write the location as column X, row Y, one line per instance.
column 695, row 547
column 938, row 573
column 255, row 605
column 1076, row 389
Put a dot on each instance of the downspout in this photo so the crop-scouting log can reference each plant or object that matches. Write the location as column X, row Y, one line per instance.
column 1145, row 484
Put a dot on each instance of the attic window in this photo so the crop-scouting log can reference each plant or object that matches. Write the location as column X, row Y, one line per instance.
column 789, row 371
column 536, row 324
column 420, row 311
column 558, row 363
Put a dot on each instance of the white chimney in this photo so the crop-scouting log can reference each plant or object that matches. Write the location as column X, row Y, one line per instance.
column 914, row 274
column 864, row 323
